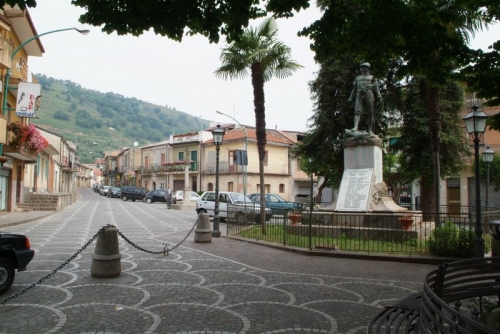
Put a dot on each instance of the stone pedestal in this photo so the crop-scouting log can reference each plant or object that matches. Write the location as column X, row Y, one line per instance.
column 203, row 232
column 106, row 260
column 365, row 157
column 363, row 187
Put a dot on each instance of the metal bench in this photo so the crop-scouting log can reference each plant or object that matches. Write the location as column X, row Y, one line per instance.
column 438, row 308
column 402, row 317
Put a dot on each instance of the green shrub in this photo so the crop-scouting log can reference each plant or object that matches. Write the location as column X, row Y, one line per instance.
column 450, row 240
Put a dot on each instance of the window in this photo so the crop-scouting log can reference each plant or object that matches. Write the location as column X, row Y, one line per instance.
column 230, row 186
column 282, row 188
column 299, row 167
column 267, row 188
column 210, row 186
column 162, row 158
column 180, row 156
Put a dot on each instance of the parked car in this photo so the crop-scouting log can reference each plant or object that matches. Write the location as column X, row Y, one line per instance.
column 155, row 196
column 277, row 204
column 180, row 193
column 104, row 190
column 15, row 253
column 133, row 193
column 114, row 192
column 232, row 206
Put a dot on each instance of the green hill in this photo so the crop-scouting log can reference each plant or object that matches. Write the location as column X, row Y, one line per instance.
column 85, row 116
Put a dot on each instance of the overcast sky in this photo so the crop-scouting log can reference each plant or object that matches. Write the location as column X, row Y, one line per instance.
column 179, row 75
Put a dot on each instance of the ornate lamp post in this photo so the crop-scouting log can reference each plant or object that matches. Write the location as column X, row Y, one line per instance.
column 7, row 74
column 488, row 155
column 246, row 150
column 475, row 123
column 218, row 134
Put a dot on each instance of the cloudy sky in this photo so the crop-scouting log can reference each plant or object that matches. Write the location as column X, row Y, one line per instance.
column 179, row 75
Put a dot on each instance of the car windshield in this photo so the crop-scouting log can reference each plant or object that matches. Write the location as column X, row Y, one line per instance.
column 277, row 198
column 240, row 198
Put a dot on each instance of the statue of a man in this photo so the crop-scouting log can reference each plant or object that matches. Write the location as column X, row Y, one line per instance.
column 365, row 85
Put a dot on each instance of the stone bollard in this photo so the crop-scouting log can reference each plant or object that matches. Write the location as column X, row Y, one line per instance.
column 203, row 232
column 106, row 258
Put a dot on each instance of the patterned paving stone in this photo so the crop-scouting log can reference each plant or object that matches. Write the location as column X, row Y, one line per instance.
column 225, row 286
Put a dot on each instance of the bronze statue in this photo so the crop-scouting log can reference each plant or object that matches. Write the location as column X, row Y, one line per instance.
column 362, row 94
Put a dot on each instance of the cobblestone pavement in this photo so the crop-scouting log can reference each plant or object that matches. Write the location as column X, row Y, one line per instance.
column 225, row 286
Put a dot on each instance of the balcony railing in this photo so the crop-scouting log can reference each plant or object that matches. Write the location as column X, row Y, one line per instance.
column 160, row 168
column 19, row 70
column 251, row 168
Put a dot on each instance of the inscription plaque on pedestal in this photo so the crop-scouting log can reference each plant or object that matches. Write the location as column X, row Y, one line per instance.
column 354, row 190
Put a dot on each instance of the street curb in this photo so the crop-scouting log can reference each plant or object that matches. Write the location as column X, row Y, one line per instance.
column 419, row 259
column 24, row 221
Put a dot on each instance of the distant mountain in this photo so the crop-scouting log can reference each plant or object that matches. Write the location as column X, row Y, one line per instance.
column 85, row 116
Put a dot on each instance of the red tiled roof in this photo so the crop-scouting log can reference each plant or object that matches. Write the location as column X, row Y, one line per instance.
column 236, row 134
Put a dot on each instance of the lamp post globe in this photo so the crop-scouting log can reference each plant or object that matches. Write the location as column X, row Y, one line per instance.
column 218, row 134
column 475, row 123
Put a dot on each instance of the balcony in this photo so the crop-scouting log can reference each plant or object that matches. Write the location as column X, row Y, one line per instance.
column 19, row 71
column 20, row 153
column 6, row 49
column 180, row 168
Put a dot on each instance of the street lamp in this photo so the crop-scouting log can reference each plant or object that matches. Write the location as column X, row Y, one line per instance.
column 475, row 123
column 218, row 134
column 246, row 148
column 7, row 75
column 488, row 155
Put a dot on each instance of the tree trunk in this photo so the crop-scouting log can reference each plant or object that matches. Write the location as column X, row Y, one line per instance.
column 260, row 128
column 432, row 105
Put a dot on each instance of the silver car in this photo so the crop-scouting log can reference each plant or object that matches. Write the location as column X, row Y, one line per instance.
column 233, row 206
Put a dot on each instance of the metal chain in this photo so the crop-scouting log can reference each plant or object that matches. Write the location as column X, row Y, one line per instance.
column 165, row 251
column 20, row 292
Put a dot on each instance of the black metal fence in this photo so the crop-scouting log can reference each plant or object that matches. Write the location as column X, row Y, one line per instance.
column 398, row 233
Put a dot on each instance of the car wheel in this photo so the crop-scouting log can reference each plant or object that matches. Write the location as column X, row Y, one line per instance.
column 240, row 218
column 7, row 273
column 133, row 200
column 149, row 201
column 202, row 211
column 124, row 198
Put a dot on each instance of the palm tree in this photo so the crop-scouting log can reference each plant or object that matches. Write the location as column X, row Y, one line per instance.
column 258, row 51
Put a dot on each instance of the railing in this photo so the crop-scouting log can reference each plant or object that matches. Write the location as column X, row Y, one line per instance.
column 368, row 233
column 455, row 297
column 209, row 168
column 160, row 168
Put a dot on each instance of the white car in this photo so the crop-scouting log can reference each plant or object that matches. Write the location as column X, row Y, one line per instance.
column 180, row 193
column 233, row 206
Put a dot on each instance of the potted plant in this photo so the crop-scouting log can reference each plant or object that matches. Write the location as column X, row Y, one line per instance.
column 294, row 217
column 406, row 221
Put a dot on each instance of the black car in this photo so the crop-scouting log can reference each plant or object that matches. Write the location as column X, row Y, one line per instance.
column 15, row 253
column 133, row 193
column 114, row 192
column 155, row 196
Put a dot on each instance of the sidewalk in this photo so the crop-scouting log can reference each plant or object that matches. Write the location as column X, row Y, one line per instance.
column 15, row 218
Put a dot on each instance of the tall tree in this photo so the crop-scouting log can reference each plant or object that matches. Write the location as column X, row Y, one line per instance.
column 258, row 52
column 429, row 37
column 414, row 143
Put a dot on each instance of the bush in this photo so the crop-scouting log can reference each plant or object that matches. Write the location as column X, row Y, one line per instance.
column 450, row 240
